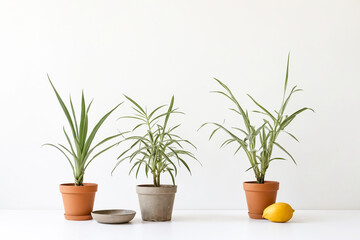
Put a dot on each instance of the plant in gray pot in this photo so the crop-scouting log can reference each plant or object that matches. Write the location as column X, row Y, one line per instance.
column 159, row 150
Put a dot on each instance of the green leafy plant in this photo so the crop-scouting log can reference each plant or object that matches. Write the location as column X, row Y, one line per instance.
column 158, row 148
column 80, row 148
column 260, row 156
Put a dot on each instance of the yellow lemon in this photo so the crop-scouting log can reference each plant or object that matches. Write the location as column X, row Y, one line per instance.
column 278, row 212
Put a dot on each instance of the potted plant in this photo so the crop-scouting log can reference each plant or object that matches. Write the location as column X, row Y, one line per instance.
column 258, row 144
column 78, row 197
column 157, row 148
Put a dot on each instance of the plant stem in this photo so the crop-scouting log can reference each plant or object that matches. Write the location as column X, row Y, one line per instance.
column 79, row 178
column 261, row 179
column 156, row 179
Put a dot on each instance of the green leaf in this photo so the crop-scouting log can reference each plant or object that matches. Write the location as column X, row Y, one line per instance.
column 168, row 112
column 289, row 119
column 173, row 128
column 68, row 139
column 156, row 109
column 52, row 145
column 240, row 109
column 241, row 142
column 253, row 166
column 227, row 142
column 287, row 73
column 137, row 126
column 88, row 108
column 67, row 150
column 132, row 117
column 74, row 116
column 65, row 110
column 118, row 163
column 83, row 123
column 285, row 151
column 185, row 164
column 203, row 125
column 278, row 158
column 172, row 176
column 234, row 110
column 169, row 160
column 237, row 150
column 212, row 134
column 137, row 171
column 188, row 142
column 96, row 128
column 292, row 136
column 222, row 93
column 264, row 109
column 97, row 154
column 283, row 106
column 132, row 168
column 140, row 114
column 241, row 130
column 136, row 104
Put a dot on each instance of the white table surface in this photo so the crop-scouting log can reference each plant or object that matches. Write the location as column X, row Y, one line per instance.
column 305, row 225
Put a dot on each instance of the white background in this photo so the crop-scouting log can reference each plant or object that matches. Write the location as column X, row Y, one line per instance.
column 151, row 50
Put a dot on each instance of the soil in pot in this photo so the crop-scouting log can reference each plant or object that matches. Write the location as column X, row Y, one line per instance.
column 156, row 203
column 78, row 200
column 259, row 196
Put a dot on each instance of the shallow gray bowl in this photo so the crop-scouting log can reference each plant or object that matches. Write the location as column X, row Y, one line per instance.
column 113, row 216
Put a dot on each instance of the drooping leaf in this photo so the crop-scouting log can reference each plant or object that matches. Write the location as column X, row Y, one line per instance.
column 285, row 151
column 52, row 145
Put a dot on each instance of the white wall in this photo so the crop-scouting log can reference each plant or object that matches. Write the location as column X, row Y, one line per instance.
column 153, row 49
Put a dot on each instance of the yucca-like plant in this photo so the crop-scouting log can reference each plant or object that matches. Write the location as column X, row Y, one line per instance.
column 260, row 156
column 158, row 149
column 80, row 148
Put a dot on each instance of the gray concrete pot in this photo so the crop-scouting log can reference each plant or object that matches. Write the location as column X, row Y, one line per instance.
column 156, row 203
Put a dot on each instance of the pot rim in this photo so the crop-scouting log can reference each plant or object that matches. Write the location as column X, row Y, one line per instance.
column 107, row 212
column 153, row 186
column 265, row 182
column 266, row 186
column 73, row 184
column 150, row 189
column 72, row 188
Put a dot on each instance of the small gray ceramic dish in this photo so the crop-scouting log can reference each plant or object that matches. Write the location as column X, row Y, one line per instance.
column 113, row 216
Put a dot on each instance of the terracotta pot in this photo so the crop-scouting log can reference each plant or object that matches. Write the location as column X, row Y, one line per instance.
column 78, row 200
column 259, row 196
column 156, row 203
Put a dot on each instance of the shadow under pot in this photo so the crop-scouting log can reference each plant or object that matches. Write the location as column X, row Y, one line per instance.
column 78, row 200
column 156, row 203
column 259, row 196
